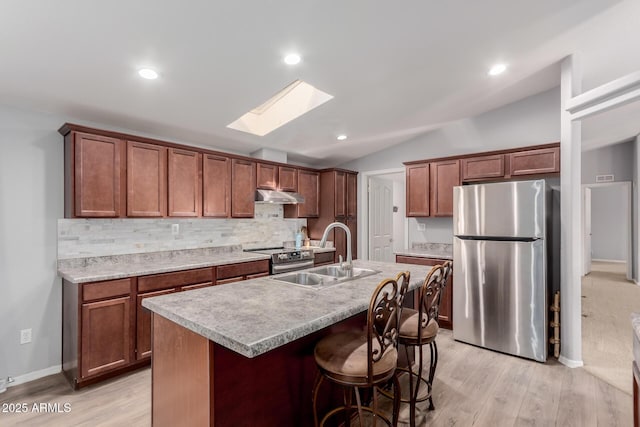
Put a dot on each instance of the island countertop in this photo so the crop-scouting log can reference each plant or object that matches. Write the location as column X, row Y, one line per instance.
column 258, row 315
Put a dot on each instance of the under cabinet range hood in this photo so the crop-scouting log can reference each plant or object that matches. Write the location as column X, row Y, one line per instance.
column 280, row 197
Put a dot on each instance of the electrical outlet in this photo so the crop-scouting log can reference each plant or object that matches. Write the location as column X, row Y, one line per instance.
column 422, row 227
column 25, row 336
column 175, row 229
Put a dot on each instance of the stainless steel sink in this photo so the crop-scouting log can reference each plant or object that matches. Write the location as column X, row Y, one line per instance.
column 337, row 271
column 321, row 277
column 306, row 279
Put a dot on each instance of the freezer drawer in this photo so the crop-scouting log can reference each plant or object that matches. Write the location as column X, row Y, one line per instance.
column 505, row 209
column 500, row 296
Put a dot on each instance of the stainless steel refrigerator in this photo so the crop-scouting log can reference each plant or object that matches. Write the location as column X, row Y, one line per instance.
column 500, row 266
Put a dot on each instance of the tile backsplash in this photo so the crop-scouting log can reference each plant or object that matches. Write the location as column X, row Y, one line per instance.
column 78, row 238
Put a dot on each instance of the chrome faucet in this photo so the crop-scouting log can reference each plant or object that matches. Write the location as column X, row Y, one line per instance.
column 348, row 264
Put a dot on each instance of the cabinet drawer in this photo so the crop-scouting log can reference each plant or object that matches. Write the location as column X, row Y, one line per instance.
column 534, row 162
column 230, row 280
column 196, row 286
column 484, row 167
column 242, row 269
column 418, row 260
column 172, row 280
column 323, row 258
column 102, row 290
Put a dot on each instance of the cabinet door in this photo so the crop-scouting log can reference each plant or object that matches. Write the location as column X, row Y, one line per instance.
column 143, row 324
column 216, row 180
column 146, row 180
column 418, row 190
column 482, row 167
column 444, row 176
column 445, row 314
column 353, row 227
column 309, row 187
column 534, row 162
column 287, row 178
column 106, row 342
column 267, row 176
column 340, row 194
column 243, row 188
column 98, row 176
column 352, row 195
column 185, row 183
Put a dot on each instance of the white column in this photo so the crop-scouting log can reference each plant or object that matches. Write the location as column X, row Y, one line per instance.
column 570, row 219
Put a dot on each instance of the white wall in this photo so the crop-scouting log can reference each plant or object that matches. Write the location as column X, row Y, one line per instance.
column 31, row 201
column 437, row 230
column 616, row 159
column 609, row 207
column 531, row 121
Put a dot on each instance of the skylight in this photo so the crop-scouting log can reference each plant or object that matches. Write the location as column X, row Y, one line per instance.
column 290, row 103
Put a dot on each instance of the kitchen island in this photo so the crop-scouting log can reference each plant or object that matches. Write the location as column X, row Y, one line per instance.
column 242, row 353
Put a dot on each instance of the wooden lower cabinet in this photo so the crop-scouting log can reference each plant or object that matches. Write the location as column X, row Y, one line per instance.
column 445, row 315
column 323, row 258
column 143, row 324
column 242, row 271
column 105, row 329
column 106, row 340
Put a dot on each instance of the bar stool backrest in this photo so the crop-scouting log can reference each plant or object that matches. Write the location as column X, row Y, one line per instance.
column 403, row 283
column 383, row 319
column 430, row 295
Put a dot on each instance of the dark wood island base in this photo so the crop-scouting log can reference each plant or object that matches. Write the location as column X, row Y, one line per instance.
column 196, row 382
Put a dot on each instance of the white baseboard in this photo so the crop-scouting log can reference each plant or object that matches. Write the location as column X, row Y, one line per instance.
column 617, row 261
column 570, row 363
column 31, row 376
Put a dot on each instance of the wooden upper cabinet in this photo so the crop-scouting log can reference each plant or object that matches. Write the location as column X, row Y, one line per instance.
column 482, row 167
column 243, row 188
column 352, row 195
column 185, row 183
column 216, row 180
column 98, row 176
column 309, row 188
column 444, row 176
column 340, row 194
column 287, row 178
column 146, row 180
column 534, row 162
column 267, row 176
column 417, row 190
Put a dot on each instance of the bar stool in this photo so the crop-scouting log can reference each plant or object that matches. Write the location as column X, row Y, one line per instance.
column 356, row 360
column 412, row 335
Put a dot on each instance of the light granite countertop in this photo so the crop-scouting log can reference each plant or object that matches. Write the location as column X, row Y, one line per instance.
column 429, row 250
column 256, row 316
column 635, row 324
column 95, row 269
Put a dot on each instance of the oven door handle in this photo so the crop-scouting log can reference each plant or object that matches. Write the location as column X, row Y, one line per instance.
column 284, row 268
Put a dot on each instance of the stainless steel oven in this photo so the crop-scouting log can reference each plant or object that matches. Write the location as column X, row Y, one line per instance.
column 285, row 260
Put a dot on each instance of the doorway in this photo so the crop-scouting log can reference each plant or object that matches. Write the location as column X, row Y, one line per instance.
column 606, row 225
column 384, row 226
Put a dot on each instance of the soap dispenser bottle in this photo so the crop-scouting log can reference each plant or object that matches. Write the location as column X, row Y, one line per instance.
column 298, row 239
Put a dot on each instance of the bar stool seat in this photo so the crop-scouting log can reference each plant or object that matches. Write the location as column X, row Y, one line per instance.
column 343, row 358
column 408, row 330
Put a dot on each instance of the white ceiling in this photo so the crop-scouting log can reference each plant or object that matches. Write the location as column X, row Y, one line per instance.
column 396, row 69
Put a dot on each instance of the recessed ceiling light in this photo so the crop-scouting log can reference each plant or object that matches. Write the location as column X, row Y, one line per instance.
column 292, row 59
column 497, row 69
column 341, row 137
column 148, row 73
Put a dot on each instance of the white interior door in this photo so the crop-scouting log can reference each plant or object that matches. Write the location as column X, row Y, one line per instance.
column 586, row 224
column 380, row 220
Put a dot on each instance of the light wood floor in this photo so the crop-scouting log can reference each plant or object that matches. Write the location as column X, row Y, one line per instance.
column 607, row 302
column 473, row 387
